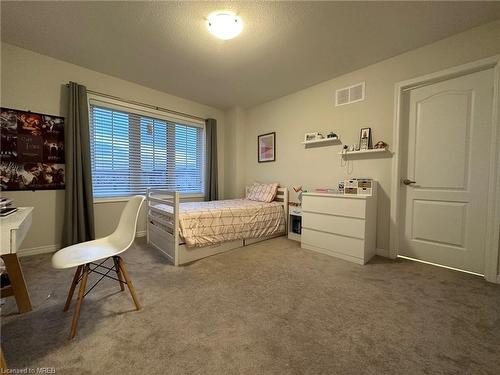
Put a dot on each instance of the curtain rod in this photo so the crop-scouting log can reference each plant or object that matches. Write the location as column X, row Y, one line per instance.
column 171, row 111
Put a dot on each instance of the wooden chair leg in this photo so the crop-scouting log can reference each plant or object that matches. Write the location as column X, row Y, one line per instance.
column 3, row 363
column 81, row 293
column 17, row 282
column 74, row 283
column 123, row 269
column 119, row 273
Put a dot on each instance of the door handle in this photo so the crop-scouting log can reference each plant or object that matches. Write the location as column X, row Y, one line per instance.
column 408, row 182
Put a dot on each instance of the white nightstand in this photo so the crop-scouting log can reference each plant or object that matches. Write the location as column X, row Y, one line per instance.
column 294, row 223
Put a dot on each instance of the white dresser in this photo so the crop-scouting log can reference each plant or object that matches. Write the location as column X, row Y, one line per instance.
column 343, row 226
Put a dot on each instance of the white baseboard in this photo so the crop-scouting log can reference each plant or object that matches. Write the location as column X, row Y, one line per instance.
column 382, row 253
column 141, row 233
column 38, row 250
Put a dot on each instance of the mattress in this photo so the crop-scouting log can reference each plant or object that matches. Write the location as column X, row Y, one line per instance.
column 214, row 222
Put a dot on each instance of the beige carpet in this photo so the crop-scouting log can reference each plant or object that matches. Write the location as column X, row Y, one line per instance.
column 271, row 308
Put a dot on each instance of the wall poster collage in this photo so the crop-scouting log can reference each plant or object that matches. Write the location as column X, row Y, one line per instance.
column 31, row 150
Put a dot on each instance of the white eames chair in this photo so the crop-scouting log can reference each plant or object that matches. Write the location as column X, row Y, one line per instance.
column 85, row 255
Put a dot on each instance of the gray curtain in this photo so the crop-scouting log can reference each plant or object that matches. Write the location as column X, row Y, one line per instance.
column 211, row 188
column 79, row 207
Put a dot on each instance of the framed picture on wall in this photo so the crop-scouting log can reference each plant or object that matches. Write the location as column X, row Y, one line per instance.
column 266, row 147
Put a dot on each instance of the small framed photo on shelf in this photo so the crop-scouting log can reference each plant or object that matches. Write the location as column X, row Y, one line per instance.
column 308, row 137
column 266, row 147
column 365, row 138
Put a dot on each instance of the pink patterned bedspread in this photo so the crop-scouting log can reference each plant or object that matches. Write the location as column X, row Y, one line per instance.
column 214, row 222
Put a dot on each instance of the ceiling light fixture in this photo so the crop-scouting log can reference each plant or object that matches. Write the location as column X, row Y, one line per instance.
column 224, row 25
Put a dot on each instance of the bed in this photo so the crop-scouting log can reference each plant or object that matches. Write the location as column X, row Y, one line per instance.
column 185, row 232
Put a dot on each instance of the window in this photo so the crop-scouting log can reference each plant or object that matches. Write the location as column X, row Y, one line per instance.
column 134, row 150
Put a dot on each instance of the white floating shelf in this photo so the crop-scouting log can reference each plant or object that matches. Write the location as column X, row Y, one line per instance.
column 322, row 141
column 371, row 151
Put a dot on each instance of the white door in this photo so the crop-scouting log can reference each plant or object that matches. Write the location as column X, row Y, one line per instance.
column 448, row 143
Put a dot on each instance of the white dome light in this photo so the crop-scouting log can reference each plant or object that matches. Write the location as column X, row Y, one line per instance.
column 224, row 25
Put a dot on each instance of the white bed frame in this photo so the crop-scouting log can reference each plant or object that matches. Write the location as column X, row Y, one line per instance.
column 168, row 241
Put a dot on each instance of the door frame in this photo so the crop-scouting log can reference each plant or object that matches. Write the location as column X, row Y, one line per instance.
column 493, row 215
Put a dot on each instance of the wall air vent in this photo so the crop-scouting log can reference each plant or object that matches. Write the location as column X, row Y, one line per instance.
column 351, row 94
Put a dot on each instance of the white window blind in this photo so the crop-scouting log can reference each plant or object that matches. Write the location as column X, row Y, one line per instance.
column 133, row 151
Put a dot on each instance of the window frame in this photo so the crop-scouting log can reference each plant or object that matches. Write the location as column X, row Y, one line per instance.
column 113, row 104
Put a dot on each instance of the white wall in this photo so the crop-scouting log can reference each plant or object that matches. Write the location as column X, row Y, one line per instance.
column 35, row 82
column 313, row 109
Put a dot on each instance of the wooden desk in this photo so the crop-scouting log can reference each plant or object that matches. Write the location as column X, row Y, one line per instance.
column 14, row 229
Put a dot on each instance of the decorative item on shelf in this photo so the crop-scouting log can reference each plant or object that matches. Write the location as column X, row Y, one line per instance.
column 320, row 136
column 365, row 139
column 332, row 135
column 380, row 144
column 266, row 149
column 310, row 136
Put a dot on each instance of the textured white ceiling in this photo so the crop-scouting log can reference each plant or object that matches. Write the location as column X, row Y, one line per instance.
column 284, row 47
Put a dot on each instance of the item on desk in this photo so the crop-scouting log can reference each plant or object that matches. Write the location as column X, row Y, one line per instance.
column 380, row 144
column 4, row 202
column 6, row 211
column 320, row 136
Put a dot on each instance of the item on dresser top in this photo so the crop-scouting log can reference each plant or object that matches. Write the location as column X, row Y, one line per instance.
column 326, row 190
column 6, row 211
column 341, row 187
column 359, row 186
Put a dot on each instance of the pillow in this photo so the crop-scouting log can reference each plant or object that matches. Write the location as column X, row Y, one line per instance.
column 262, row 192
